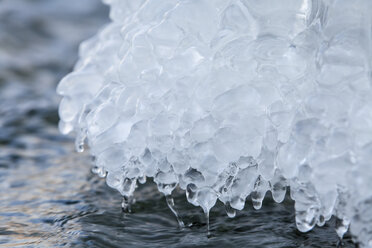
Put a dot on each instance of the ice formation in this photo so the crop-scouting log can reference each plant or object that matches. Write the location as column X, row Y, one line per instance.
column 229, row 99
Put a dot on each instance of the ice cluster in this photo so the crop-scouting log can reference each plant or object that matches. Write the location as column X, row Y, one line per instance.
column 229, row 99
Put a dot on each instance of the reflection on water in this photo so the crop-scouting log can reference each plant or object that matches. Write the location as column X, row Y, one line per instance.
column 48, row 196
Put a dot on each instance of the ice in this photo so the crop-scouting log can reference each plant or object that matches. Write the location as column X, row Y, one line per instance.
column 231, row 99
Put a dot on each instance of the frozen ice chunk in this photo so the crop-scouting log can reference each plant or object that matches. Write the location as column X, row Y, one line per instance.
column 229, row 100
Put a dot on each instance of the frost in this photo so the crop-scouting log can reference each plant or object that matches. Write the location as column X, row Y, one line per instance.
column 230, row 99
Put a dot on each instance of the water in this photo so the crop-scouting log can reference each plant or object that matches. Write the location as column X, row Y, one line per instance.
column 48, row 195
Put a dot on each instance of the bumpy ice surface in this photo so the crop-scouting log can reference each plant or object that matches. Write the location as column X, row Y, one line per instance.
column 229, row 99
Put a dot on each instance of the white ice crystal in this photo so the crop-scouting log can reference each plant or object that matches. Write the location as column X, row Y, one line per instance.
column 231, row 98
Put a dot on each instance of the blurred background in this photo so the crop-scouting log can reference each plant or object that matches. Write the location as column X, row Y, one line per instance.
column 48, row 195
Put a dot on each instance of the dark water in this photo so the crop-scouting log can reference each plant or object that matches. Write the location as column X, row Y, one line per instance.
column 49, row 197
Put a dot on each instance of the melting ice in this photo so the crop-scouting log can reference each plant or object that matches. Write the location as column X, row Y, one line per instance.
column 229, row 99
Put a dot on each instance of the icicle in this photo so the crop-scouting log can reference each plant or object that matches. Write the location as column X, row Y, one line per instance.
column 170, row 203
column 79, row 145
column 206, row 214
column 80, row 140
column 259, row 192
column 126, row 204
column 142, row 180
column 100, row 171
column 278, row 187
column 342, row 225
column 231, row 212
column 191, row 194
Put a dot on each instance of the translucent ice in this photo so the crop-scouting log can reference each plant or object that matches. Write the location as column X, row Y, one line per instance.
column 233, row 98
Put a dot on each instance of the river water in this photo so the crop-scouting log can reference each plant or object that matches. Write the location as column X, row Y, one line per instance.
column 48, row 195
